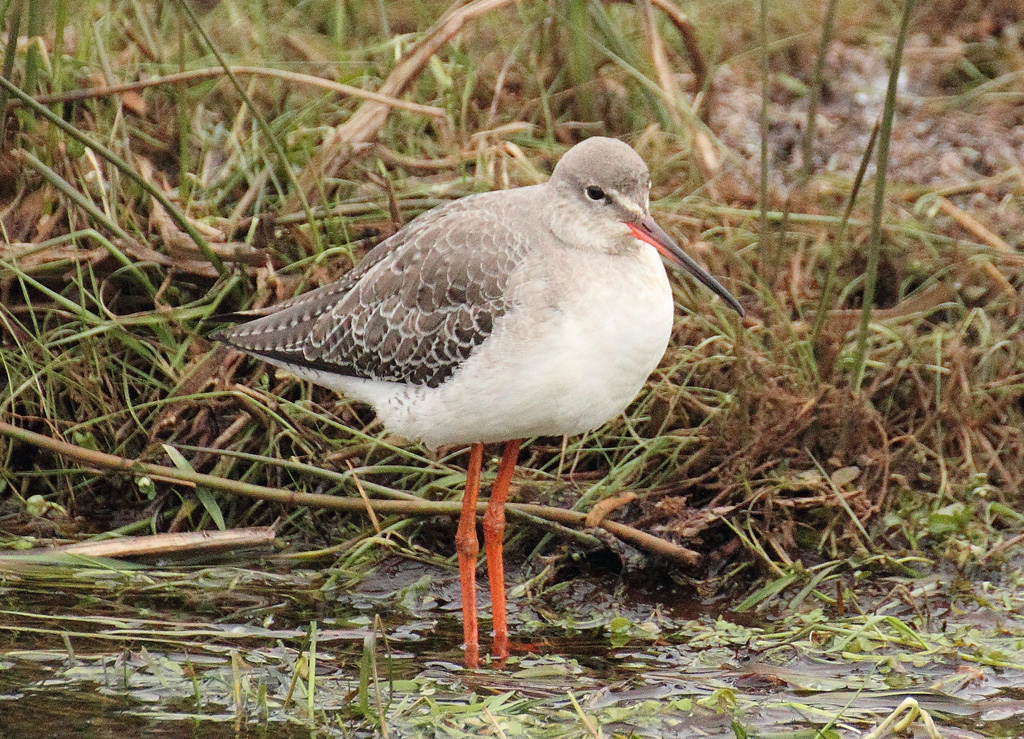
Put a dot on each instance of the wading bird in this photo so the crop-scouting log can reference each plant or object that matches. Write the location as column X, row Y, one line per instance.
column 536, row 311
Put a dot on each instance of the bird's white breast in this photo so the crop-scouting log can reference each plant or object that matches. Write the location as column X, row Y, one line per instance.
column 587, row 332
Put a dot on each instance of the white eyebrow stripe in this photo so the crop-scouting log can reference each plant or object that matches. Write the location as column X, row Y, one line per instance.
column 617, row 197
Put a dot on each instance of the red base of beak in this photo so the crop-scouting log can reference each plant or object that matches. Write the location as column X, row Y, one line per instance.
column 647, row 238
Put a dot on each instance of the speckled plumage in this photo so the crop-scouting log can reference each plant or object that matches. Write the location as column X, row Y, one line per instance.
column 412, row 311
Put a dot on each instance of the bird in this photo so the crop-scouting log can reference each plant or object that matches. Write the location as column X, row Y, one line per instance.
column 498, row 317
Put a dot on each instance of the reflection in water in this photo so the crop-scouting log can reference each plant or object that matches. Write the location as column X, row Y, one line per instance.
column 237, row 650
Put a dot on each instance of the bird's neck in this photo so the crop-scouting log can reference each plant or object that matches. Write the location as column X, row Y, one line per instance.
column 576, row 230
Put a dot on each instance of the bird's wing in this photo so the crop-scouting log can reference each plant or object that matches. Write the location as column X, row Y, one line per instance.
column 413, row 310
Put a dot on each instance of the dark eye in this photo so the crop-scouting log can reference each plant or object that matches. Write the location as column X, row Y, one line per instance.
column 595, row 193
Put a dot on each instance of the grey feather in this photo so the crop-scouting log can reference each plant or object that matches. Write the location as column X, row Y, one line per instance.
column 413, row 310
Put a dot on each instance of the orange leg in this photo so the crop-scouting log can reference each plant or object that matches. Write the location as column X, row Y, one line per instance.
column 494, row 536
column 468, row 548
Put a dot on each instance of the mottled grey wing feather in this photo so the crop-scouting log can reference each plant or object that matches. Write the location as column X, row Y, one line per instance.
column 412, row 311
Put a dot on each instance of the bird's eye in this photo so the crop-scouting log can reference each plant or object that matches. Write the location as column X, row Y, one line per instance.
column 595, row 193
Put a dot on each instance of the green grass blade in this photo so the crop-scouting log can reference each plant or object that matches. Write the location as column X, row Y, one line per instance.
column 9, row 55
column 811, row 129
column 763, row 126
column 878, row 207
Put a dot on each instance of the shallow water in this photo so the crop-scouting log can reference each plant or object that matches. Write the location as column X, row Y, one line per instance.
column 270, row 648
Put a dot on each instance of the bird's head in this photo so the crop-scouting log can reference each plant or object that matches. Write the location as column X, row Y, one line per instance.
column 601, row 189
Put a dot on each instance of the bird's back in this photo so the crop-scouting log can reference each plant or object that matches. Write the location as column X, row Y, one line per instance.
column 414, row 309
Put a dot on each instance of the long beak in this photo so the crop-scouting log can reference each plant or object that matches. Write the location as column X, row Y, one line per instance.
column 646, row 229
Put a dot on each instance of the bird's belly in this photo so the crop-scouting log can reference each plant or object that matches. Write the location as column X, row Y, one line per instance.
column 551, row 371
